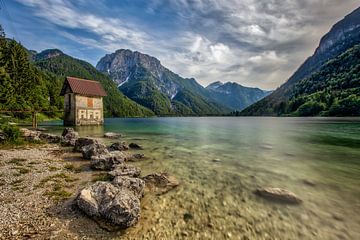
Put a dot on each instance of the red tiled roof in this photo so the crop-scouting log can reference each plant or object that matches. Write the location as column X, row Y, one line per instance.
column 84, row 87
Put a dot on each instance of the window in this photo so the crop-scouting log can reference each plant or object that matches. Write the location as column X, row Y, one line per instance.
column 90, row 102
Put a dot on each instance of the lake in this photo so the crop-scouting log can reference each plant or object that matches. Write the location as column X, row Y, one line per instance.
column 222, row 161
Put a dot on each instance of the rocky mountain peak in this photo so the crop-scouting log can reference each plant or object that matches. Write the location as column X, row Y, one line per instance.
column 46, row 54
column 121, row 63
column 214, row 85
column 343, row 30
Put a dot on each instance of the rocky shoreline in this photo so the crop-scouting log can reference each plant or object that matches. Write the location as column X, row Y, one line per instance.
column 72, row 176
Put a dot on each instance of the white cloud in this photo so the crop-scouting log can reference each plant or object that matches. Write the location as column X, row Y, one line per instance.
column 252, row 42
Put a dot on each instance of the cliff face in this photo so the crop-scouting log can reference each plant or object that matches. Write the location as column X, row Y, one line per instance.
column 343, row 36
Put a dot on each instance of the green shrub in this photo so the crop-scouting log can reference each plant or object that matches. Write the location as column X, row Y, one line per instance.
column 12, row 133
column 310, row 109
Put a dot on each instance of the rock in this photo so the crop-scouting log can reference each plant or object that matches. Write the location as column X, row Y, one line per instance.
column 188, row 216
column 135, row 146
column 69, row 136
column 115, row 205
column 95, row 149
column 278, row 194
column 30, row 135
column 3, row 136
column 216, row 160
column 50, row 138
column 81, row 142
column 160, row 182
column 118, row 146
column 40, row 129
column 125, row 170
column 112, row 135
column 136, row 157
column 107, row 161
column 135, row 185
column 309, row 183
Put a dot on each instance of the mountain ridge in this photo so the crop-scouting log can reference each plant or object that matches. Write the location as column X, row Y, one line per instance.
column 143, row 79
column 344, row 35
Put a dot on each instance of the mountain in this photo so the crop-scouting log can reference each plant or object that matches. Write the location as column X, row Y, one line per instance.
column 53, row 61
column 322, row 69
column 143, row 79
column 234, row 95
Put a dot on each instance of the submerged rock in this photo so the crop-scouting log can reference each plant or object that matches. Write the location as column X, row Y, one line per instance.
column 81, row 142
column 118, row 146
column 69, row 136
column 125, row 170
column 135, row 146
column 135, row 185
column 160, row 182
column 278, row 194
column 107, row 161
column 116, row 205
column 136, row 157
column 112, row 135
column 94, row 149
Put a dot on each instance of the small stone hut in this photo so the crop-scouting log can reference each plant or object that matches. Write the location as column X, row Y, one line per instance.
column 83, row 102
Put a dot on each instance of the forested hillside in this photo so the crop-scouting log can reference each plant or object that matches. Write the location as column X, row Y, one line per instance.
column 115, row 103
column 31, row 81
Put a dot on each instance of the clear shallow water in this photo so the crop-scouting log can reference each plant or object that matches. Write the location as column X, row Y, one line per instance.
column 250, row 153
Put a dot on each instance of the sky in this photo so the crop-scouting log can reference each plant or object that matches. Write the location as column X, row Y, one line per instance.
column 256, row 43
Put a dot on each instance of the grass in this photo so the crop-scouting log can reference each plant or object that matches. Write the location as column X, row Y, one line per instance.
column 70, row 167
column 53, row 169
column 59, row 176
column 101, row 177
column 17, row 161
column 58, row 193
column 21, row 170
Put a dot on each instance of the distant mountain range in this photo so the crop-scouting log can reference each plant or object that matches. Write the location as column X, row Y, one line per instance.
column 234, row 95
column 327, row 83
column 143, row 79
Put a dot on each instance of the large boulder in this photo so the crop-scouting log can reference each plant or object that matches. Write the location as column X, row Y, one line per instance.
column 160, row 183
column 135, row 185
column 125, row 170
column 112, row 135
column 278, row 195
column 116, row 205
column 107, row 161
column 81, row 142
column 69, row 136
column 94, row 149
column 50, row 138
column 118, row 146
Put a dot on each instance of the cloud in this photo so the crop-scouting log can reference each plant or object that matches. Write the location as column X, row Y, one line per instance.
column 252, row 42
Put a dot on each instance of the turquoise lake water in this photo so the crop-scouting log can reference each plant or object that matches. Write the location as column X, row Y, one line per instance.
column 221, row 161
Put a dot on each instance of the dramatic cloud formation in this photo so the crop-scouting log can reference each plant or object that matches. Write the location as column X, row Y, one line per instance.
column 252, row 42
